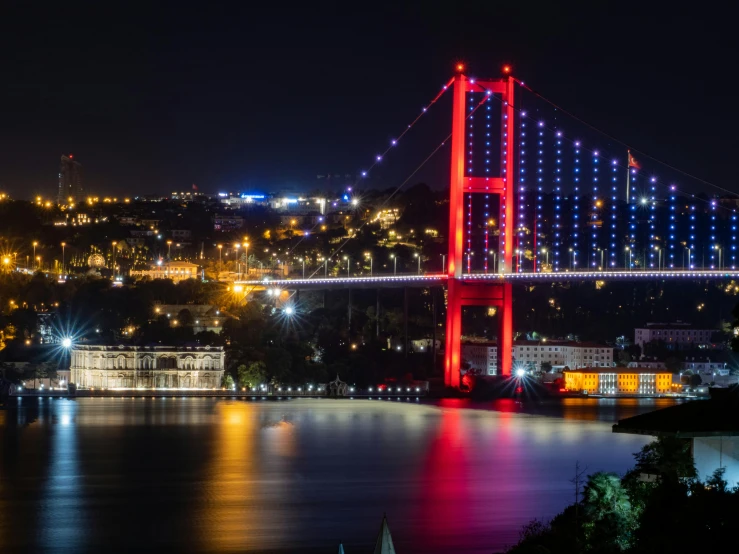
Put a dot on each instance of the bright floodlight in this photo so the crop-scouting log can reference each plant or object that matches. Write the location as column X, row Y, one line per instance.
column 66, row 342
column 520, row 372
column 289, row 310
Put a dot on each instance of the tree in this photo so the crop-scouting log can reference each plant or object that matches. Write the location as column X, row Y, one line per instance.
column 623, row 358
column 252, row 374
column 609, row 518
column 673, row 364
column 717, row 482
column 227, row 381
column 185, row 317
column 280, row 363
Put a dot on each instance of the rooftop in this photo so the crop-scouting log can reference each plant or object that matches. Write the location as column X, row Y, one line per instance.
column 718, row 416
column 676, row 325
column 629, row 370
column 146, row 348
column 540, row 343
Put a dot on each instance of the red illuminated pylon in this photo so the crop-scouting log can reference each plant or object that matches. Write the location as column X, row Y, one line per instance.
column 461, row 292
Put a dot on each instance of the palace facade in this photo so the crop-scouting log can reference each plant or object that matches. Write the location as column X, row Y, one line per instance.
column 110, row 367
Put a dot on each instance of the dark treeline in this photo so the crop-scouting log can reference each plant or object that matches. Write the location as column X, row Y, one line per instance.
column 658, row 506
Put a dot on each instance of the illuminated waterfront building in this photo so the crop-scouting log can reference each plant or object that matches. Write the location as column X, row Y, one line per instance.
column 529, row 355
column 176, row 271
column 632, row 380
column 114, row 367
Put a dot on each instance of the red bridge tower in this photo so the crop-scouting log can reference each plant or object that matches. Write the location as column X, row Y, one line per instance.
column 463, row 292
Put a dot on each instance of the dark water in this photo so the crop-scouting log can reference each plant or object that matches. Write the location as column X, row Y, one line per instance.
column 204, row 475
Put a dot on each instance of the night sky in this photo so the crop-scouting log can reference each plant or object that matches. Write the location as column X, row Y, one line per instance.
column 153, row 99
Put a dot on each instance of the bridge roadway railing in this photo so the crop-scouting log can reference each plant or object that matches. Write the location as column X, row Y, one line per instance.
column 436, row 279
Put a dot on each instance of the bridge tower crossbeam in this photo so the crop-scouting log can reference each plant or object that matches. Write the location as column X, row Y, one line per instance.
column 461, row 293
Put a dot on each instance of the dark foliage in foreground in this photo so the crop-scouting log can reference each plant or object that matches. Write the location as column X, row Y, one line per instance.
column 659, row 506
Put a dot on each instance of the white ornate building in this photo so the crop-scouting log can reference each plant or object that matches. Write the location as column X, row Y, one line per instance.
column 177, row 271
column 108, row 367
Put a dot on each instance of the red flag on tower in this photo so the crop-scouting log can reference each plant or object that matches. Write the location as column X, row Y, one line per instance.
column 632, row 162
column 195, row 187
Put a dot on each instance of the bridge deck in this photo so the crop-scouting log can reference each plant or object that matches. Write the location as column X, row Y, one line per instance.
column 437, row 279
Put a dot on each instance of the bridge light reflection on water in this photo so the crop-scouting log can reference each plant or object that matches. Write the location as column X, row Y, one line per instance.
column 222, row 475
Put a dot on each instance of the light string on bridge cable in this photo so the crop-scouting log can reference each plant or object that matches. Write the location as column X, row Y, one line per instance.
column 672, row 230
column 633, row 221
column 622, row 143
column 487, row 174
column 634, row 227
column 406, row 180
column 379, row 157
column 506, row 226
column 597, row 203
column 394, row 142
column 633, row 170
column 539, row 192
column 634, row 230
column 575, row 207
column 712, row 246
column 732, row 240
column 522, row 243
column 470, row 169
column 651, row 223
column 614, row 216
column 691, row 236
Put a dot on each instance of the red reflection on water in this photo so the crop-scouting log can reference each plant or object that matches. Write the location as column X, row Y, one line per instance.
column 444, row 503
column 506, row 405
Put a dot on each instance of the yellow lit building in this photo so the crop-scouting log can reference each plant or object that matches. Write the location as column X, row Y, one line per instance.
column 177, row 271
column 618, row 380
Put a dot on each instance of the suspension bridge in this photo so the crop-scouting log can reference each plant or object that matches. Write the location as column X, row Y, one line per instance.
column 530, row 201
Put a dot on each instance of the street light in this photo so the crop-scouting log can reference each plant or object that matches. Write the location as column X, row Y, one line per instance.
column 67, row 342
column 629, row 251
column 238, row 264
column 35, row 244
column 659, row 257
column 419, row 262
column 546, row 252
column 718, row 247
column 246, row 257
column 395, row 263
column 303, row 260
column 348, row 260
column 572, row 258
column 169, row 249
column 114, row 243
column 220, row 260
column 63, row 245
column 443, row 263
column 369, row 255
column 690, row 260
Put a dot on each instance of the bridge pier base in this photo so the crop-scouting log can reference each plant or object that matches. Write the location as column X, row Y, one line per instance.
column 461, row 294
